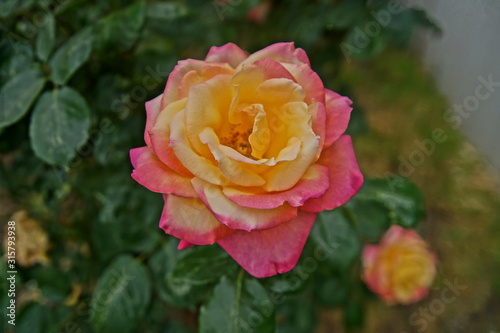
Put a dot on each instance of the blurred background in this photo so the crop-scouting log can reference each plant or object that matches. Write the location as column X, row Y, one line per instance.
column 424, row 77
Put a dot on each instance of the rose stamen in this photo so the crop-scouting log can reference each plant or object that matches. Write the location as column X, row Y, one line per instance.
column 238, row 140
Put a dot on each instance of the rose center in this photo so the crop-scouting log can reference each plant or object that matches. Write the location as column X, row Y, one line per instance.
column 237, row 138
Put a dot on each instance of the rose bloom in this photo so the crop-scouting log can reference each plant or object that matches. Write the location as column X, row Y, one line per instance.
column 247, row 149
column 401, row 268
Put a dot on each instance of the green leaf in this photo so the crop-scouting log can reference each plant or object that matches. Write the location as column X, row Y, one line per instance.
column 372, row 218
column 398, row 194
column 344, row 14
column 201, row 265
column 332, row 290
column 163, row 262
column 421, row 17
column 71, row 56
column 17, row 59
column 59, row 126
column 17, row 95
column 166, row 11
column 120, row 28
column 54, row 284
column 297, row 315
column 243, row 306
column 121, row 296
column 337, row 237
column 46, row 38
column 10, row 7
column 34, row 318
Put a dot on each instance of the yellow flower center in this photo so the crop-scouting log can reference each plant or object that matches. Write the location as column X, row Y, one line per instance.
column 237, row 138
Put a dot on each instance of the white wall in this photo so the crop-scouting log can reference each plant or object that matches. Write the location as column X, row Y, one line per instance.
column 469, row 48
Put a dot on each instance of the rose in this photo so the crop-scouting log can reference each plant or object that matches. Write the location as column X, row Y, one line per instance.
column 401, row 268
column 247, row 149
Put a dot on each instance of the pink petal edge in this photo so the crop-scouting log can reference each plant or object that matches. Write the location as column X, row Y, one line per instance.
column 268, row 252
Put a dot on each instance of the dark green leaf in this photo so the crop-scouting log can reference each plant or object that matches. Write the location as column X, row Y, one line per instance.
column 357, row 44
column 357, row 122
column 241, row 306
column 121, row 296
column 200, row 265
column 166, row 11
column 53, row 283
column 120, row 28
column 46, row 38
column 71, row 55
column 17, row 95
column 163, row 262
column 18, row 58
column 297, row 315
column 59, row 126
column 372, row 218
column 399, row 195
column 332, row 290
column 333, row 233
column 9, row 7
column 344, row 14
column 34, row 318
column 421, row 17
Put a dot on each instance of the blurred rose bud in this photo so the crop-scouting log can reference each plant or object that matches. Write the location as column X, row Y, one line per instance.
column 401, row 268
column 260, row 12
column 31, row 242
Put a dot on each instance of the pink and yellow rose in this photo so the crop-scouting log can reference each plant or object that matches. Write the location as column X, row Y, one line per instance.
column 247, row 149
column 401, row 268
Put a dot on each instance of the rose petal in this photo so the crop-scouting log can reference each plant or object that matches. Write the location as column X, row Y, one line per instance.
column 228, row 53
column 345, row 177
column 190, row 220
column 309, row 80
column 313, row 184
column 370, row 253
column 198, row 165
column 172, row 92
column 280, row 91
column 184, row 245
column 151, row 173
column 264, row 253
column 295, row 119
column 237, row 217
column 160, row 137
column 338, row 112
column 281, row 52
column 153, row 108
column 249, row 77
column 207, row 106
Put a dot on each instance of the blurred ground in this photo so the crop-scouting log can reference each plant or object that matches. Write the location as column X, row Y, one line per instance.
column 462, row 193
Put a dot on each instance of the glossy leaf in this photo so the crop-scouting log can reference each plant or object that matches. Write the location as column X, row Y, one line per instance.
column 162, row 263
column 46, row 38
column 59, row 125
column 71, row 56
column 121, row 296
column 10, row 7
column 337, row 237
column 238, row 306
column 199, row 265
column 121, row 28
column 401, row 196
column 17, row 95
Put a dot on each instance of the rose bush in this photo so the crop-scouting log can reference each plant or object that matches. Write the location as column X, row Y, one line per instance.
column 247, row 149
column 401, row 268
